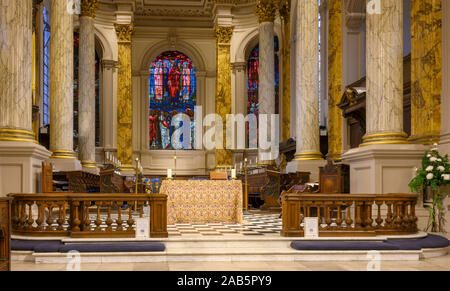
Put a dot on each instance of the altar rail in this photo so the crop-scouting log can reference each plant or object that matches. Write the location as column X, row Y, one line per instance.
column 86, row 215
column 350, row 214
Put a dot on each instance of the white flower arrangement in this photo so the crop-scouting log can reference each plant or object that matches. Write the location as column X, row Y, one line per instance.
column 433, row 159
column 429, row 168
column 441, row 168
column 430, row 176
column 446, row 177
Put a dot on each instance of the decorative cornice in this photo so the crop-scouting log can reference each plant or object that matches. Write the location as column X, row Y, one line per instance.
column 88, row 8
column 124, row 32
column 266, row 10
column 223, row 34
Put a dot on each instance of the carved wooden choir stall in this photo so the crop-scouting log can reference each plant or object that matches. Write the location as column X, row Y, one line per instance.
column 5, row 234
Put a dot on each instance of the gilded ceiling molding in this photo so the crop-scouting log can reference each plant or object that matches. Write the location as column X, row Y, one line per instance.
column 266, row 10
column 88, row 8
column 124, row 32
column 223, row 34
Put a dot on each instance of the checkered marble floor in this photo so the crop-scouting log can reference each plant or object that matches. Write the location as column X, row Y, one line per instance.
column 254, row 224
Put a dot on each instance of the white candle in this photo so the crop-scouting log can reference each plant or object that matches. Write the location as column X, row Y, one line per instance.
column 233, row 173
column 169, row 173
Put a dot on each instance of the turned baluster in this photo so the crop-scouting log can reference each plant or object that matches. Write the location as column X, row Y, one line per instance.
column 389, row 220
column 62, row 215
column 50, row 217
column 368, row 221
column 119, row 220
column 30, row 219
column 130, row 220
column 40, row 219
column 328, row 220
column 358, row 213
column 378, row 220
column 397, row 216
column 141, row 209
column 319, row 214
column 339, row 219
column 86, row 221
column 75, row 223
column 109, row 220
column 23, row 215
column 98, row 221
column 349, row 220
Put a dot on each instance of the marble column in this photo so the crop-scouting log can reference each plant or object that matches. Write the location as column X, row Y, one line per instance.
column 266, row 11
column 307, row 82
column 223, row 156
column 86, row 71
column 384, row 109
column 335, row 77
column 445, row 132
column 426, row 70
column 20, row 154
column 124, row 98
column 286, row 101
column 16, row 71
column 61, row 87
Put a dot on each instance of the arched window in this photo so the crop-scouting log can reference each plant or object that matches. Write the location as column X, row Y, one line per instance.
column 253, row 80
column 172, row 90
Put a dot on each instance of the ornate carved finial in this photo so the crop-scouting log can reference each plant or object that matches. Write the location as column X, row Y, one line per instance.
column 266, row 10
column 88, row 8
column 124, row 32
column 223, row 34
column 285, row 9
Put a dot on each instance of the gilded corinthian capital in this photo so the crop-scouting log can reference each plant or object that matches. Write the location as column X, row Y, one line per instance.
column 266, row 10
column 124, row 32
column 223, row 34
column 88, row 8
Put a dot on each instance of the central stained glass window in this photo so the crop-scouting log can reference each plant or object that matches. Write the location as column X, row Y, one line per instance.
column 172, row 90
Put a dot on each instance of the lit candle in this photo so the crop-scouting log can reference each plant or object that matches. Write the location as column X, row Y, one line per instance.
column 169, row 173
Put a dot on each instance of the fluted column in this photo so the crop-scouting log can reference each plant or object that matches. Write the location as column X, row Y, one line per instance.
column 335, row 77
column 307, row 81
column 124, row 97
column 266, row 11
column 61, row 81
column 286, row 101
column 86, row 97
column 16, row 71
column 384, row 100
column 426, row 70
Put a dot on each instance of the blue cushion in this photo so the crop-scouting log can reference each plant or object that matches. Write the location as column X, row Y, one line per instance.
column 342, row 245
column 113, row 247
column 40, row 246
column 429, row 242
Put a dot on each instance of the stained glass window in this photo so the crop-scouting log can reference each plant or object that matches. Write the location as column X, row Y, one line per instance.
column 46, row 68
column 253, row 80
column 172, row 90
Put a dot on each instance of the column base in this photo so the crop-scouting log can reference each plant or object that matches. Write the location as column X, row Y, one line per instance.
column 62, row 164
column 21, row 166
column 311, row 166
column 383, row 168
column 444, row 144
column 90, row 167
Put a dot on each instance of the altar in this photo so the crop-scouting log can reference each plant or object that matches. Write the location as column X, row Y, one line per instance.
column 203, row 201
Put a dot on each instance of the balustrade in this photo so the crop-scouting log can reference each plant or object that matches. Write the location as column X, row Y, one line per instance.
column 86, row 215
column 350, row 214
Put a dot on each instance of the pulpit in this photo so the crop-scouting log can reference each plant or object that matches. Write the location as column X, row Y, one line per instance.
column 5, row 234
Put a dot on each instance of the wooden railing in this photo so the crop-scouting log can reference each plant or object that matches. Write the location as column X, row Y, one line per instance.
column 350, row 214
column 87, row 214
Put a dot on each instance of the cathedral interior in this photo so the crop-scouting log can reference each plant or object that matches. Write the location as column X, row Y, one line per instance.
column 157, row 99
